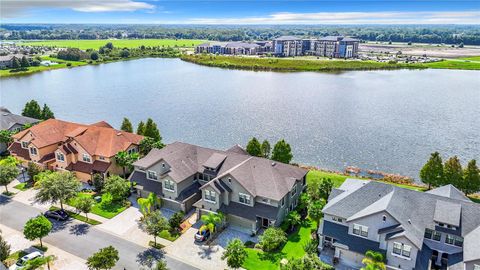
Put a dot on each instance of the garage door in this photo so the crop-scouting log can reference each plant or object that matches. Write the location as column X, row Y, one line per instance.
column 240, row 223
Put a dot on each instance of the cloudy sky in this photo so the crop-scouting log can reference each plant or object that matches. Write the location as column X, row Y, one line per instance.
column 241, row 12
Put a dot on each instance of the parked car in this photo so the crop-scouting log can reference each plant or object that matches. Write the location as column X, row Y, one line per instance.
column 202, row 235
column 57, row 214
column 22, row 262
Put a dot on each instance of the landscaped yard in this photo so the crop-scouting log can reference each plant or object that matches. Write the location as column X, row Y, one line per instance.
column 258, row 259
column 76, row 216
column 22, row 186
column 102, row 209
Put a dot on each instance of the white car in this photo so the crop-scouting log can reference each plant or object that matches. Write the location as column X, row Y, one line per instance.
column 20, row 264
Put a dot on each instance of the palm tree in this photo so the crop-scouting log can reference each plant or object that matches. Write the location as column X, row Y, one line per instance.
column 123, row 160
column 373, row 261
column 146, row 204
column 294, row 219
column 212, row 219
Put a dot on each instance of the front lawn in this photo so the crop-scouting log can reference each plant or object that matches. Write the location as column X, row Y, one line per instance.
column 101, row 209
column 76, row 216
column 258, row 259
column 168, row 236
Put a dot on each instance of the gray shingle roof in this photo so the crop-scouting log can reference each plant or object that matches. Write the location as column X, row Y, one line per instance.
column 8, row 119
column 215, row 160
column 257, row 175
column 447, row 212
column 414, row 210
column 287, row 38
column 248, row 212
column 449, row 191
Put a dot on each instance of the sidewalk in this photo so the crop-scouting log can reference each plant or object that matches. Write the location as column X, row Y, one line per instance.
column 63, row 261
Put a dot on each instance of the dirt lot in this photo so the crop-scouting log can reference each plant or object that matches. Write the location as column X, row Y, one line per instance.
column 441, row 51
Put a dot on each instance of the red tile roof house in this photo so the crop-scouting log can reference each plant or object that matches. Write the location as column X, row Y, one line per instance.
column 84, row 149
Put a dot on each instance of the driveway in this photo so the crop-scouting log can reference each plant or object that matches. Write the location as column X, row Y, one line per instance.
column 232, row 232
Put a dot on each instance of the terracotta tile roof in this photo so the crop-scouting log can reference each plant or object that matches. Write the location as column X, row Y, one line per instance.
column 97, row 139
column 16, row 148
column 96, row 166
column 47, row 157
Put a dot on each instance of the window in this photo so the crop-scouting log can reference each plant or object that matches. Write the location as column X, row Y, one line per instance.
column 449, row 239
column 337, row 219
column 360, row 230
column 458, row 241
column 476, row 267
column 132, row 150
column 152, row 175
column 169, row 185
column 244, row 198
column 25, row 145
column 384, row 218
column 101, row 157
column 163, row 165
column 60, row 157
column 86, row 158
column 428, row 233
column 33, row 151
column 283, row 201
column 265, row 200
column 229, row 180
column 402, row 249
column 437, row 236
column 294, row 190
column 210, row 196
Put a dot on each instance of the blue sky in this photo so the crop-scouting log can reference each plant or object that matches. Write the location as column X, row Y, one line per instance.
column 240, row 12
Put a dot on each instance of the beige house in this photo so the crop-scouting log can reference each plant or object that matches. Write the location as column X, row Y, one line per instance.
column 252, row 192
column 84, row 149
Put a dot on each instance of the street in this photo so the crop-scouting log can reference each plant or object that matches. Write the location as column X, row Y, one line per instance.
column 83, row 240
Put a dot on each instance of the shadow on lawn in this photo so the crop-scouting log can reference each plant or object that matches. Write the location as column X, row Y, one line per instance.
column 273, row 256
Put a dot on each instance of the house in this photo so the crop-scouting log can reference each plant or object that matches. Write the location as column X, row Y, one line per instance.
column 252, row 192
column 438, row 229
column 6, row 61
column 84, row 149
column 12, row 122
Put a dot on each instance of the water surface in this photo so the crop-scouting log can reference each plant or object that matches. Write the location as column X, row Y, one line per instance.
column 385, row 120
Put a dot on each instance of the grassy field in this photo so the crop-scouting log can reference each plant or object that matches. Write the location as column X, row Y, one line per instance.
column 255, row 63
column 31, row 70
column 258, row 259
column 471, row 58
column 470, row 63
column 121, row 43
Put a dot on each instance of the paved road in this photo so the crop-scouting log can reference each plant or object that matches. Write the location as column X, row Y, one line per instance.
column 83, row 240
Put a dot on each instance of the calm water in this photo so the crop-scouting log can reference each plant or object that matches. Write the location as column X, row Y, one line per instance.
column 386, row 120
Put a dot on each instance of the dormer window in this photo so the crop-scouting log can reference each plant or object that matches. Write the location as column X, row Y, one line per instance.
column 60, row 157
column 87, row 158
column 33, row 151
column 25, row 145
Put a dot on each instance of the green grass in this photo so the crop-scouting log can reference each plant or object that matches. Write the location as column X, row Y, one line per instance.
column 157, row 246
column 282, row 64
column 42, row 248
column 78, row 216
column 121, row 43
column 31, row 70
column 22, row 186
column 471, row 58
column 168, row 236
column 455, row 64
column 258, row 259
column 101, row 209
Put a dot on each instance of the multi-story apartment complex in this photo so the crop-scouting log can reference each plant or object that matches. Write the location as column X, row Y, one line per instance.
column 252, row 192
column 288, row 46
column 84, row 149
column 437, row 229
column 335, row 46
column 234, row 48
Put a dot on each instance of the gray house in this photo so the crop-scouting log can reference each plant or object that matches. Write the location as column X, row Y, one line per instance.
column 438, row 229
column 12, row 122
column 252, row 192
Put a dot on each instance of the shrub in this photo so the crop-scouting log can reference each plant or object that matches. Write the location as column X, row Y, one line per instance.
column 176, row 220
column 272, row 239
column 250, row 244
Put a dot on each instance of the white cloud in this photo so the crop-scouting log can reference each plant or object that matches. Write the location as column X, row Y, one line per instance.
column 15, row 8
column 423, row 17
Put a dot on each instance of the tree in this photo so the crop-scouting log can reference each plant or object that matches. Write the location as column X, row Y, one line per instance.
column 39, row 262
column 4, row 248
column 471, row 179
column 141, row 128
column 254, row 148
column 266, row 149
column 315, row 210
column 373, row 261
column 6, row 136
column 47, row 113
column 211, row 220
column 125, row 53
column 98, row 182
column 125, row 160
column 272, row 238
column 8, row 173
column 118, row 187
column 432, row 172
column 84, row 204
column 37, row 227
column 311, row 247
column 313, row 189
column 282, row 152
column 147, row 204
column 161, row 265
column 152, row 131
column 57, row 187
column 126, row 125
column 453, row 172
column 32, row 109
column 155, row 223
column 326, row 187
column 294, row 219
column 235, row 253
column 176, row 220
column 33, row 170
column 16, row 63
column 105, row 258
column 109, row 45
column 24, row 62
column 147, row 144
column 94, row 56
column 307, row 262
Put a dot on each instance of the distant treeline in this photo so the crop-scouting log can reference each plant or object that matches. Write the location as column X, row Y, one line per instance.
column 448, row 34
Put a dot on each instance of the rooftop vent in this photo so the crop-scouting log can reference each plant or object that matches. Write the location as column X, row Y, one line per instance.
column 409, row 221
column 119, row 133
column 274, row 163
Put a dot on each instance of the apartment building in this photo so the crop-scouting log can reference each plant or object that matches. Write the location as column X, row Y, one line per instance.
column 286, row 46
column 438, row 229
column 252, row 192
column 83, row 149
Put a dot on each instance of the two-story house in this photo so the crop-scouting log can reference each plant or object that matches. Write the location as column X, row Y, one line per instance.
column 84, row 149
column 438, row 229
column 13, row 123
column 252, row 192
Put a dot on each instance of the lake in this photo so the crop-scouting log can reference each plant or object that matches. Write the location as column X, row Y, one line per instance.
column 382, row 120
